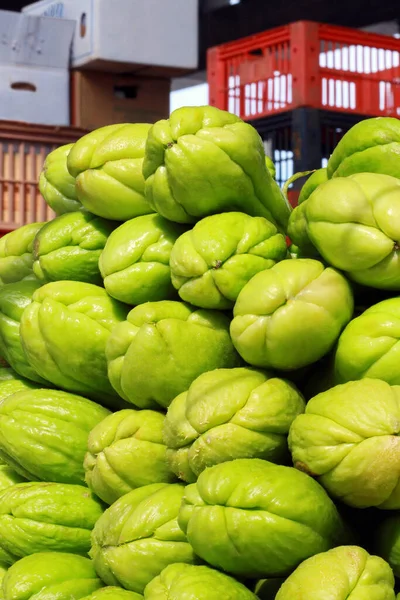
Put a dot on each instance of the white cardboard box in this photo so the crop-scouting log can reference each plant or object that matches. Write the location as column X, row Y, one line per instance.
column 153, row 36
column 34, row 77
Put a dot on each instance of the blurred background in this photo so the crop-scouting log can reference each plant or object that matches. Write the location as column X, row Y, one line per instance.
column 302, row 72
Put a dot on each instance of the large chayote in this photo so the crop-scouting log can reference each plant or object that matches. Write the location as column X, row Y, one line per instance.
column 56, row 184
column 162, row 347
column 40, row 517
column 126, row 451
column 253, row 518
column 135, row 260
column 203, row 161
column 343, row 573
column 354, row 223
column 14, row 298
column 138, row 536
column 370, row 146
column 44, row 433
column 111, row 592
column 211, row 263
column 107, row 165
column 387, row 541
column 16, row 259
column 50, row 576
column 359, row 422
column 193, row 582
column 69, row 247
column 11, row 382
column 370, row 344
column 64, row 333
column 290, row 316
column 227, row 414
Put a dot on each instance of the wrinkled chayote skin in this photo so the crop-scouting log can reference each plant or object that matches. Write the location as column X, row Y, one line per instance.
column 126, row 451
column 194, row 582
column 203, row 161
column 14, row 298
column 44, row 433
column 64, row 333
column 290, row 316
column 211, row 263
column 11, row 382
column 359, row 422
column 138, row 536
column 387, row 541
column 16, row 259
column 50, row 575
column 354, row 223
column 107, row 165
column 135, row 260
column 346, row 572
column 252, row 518
column 41, row 517
column 56, row 184
column 162, row 347
column 227, row 414
column 370, row 344
column 370, row 146
column 316, row 178
column 113, row 593
column 69, row 247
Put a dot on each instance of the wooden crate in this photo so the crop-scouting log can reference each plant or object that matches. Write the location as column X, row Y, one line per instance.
column 23, row 150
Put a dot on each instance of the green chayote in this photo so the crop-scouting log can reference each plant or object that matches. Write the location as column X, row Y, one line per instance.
column 252, row 518
column 107, row 165
column 41, row 517
column 138, row 536
column 211, row 263
column 270, row 166
column 14, row 298
column 56, row 184
column 135, row 260
column 11, row 382
column 203, row 161
column 50, row 576
column 290, row 316
column 124, row 439
column 346, row 572
column 69, row 247
column 359, row 422
column 16, row 259
column 387, row 541
column 64, row 333
column 316, row 178
column 44, row 433
column 194, row 582
column 9, row 477
column 227, row 414
column 113, row 593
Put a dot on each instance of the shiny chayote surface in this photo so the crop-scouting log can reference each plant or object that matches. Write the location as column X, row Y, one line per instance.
column 227, row 414
column 203, row 161
column 138, row 536
column 211, row 263
column 135, row 260
column 343, row 573
column 44, row 433
column 50, row 575
column 56, row 184
column 255, row 519
column 16, row 259
column 113, row 593
column 359, row 422
column 69, row 248
column 107, row 165
column 64, row 332
column 316, row 178
column 121, row 440
column 11, row 382
column 290, row 316
column 40, row 517
column 162, row 347
column 193, row 582
column 14, row 298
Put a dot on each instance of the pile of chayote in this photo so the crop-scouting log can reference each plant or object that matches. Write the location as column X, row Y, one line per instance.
column 199, row 385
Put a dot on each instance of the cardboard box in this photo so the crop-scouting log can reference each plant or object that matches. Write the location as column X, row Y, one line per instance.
column 153, row 37
column 99, row 99
column 34, row 79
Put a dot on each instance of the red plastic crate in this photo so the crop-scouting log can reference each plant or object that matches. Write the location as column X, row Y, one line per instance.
column 306, row 64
